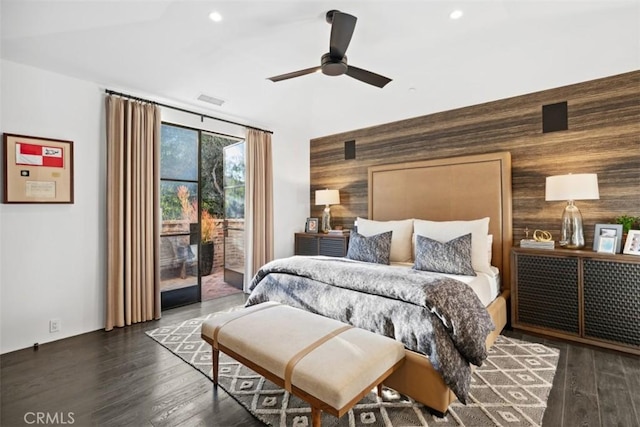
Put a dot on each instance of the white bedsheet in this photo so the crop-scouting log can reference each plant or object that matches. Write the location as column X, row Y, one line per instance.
column 486, row 286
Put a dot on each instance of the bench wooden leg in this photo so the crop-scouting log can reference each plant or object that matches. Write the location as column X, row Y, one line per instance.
column 216, row 356
column 379, row 390
column 316, row 417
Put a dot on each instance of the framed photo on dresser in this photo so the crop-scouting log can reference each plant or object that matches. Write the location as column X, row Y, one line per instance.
column 608, row 232
column 607, row 245
column 311, row 225
column 632, row 245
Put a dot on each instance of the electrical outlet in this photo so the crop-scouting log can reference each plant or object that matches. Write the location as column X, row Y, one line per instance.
column 54, row 325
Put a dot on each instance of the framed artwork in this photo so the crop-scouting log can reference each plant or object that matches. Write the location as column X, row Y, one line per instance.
column 37, row 170
column 607, row 244
column 608, row 230
column 632, row 245
column 311, row 226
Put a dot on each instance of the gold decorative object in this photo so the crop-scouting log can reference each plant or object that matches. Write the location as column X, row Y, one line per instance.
column 542, row 236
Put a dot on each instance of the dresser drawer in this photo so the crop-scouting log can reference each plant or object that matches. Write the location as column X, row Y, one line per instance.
column 321, row 244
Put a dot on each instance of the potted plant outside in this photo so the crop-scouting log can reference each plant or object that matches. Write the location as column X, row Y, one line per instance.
column 207, row 234
column 207, row 229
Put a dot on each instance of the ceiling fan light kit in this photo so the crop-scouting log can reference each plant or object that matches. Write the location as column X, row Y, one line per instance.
column 334, row 63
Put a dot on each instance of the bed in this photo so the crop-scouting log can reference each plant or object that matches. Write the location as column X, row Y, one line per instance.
column 470, row 190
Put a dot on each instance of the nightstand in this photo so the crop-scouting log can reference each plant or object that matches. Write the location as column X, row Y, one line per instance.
column 579, row 295
column 321, row 244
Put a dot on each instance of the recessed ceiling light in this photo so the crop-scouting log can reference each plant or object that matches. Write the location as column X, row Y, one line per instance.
column 456, row 14
column 215, row 16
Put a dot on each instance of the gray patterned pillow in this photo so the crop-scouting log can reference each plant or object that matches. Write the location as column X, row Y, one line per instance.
column 376, row 248
column 452, row 257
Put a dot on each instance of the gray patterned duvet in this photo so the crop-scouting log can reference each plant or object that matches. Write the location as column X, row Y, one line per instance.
column 429, row 313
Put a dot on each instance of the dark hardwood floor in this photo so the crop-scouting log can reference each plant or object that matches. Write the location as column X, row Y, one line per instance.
column 123, row 378
column 592, row 386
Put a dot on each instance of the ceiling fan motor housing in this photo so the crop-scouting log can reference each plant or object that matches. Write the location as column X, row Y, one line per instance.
column 329, row 16
column 333, row 66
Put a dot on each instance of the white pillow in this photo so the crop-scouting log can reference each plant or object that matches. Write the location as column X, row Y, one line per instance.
column 400, row 238
column 443, row 231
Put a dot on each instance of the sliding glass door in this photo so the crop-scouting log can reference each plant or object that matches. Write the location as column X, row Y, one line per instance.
column 234, row 190
column 202, row 211
column 179, row 189
column 227, row 248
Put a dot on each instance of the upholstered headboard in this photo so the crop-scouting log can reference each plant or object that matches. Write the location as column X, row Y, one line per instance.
column 458, row 188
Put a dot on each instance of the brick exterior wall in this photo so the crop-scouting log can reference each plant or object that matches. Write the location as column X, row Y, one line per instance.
column 235, row 244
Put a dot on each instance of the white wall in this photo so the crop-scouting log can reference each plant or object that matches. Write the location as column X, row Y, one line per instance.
column 1, row 205
column 52, row 257
column 291, row 182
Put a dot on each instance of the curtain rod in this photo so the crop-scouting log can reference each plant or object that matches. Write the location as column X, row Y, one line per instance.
column 124, row 95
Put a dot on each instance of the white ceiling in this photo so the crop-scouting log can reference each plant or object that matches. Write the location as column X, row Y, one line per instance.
column 171, row 52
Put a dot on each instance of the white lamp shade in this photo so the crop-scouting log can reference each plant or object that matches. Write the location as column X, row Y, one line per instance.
column 327, row 197
column 580, row 186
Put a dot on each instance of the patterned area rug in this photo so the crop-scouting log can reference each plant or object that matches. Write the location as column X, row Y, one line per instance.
column 511, row 388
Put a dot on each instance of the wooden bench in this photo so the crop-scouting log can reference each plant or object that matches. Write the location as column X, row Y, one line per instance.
column 329, row 364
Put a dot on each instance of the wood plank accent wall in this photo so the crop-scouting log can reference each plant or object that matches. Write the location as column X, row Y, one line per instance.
column 603, row 137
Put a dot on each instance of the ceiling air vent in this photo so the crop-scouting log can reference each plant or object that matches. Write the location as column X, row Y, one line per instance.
column 210, row 99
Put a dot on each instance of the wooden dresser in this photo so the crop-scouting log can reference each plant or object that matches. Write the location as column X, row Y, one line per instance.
column 579, row 295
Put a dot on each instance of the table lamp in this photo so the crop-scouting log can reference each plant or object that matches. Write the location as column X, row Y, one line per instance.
column 581, row 186
column 327, row 197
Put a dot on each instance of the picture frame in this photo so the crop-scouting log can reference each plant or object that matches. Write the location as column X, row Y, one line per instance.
column 608, row 230
column 37, row 170
column 632, row 245
column 607, row 244
column 311, row 225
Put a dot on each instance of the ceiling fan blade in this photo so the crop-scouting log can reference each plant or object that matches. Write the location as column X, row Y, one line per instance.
column 367, row 76
column 294, row 74
column 342, row 28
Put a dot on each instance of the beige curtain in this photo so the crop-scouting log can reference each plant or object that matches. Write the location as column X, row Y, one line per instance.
column 133, row 278
column 259, row 201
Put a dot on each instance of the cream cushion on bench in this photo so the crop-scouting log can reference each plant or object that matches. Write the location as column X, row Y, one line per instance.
column 338, row 370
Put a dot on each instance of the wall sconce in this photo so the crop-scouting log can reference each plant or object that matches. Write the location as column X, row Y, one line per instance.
column 327, row 197
column 581, row 186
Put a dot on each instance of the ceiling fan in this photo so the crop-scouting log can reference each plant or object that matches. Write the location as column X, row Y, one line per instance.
column 334, row 63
